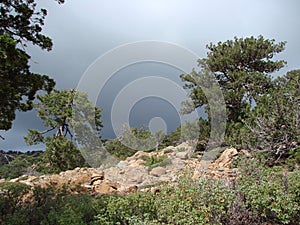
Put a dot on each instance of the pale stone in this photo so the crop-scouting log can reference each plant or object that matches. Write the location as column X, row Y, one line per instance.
column 169, row 149
column 158, row 171
column 226, row 157
column 182, row 155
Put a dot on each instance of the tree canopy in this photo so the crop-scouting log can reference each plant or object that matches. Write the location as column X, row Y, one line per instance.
column 18, row 84
column 20, row 23
column 242, row 68
column 23, row 22
column 70, row 119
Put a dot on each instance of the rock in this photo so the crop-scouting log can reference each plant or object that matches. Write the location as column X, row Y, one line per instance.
column 80, row 179
column 226, row 157
column 15, row 179
column 77, row 169
column 137, row 163
column 182, row 155
column 137, row 155
column 158, row 171
column 139, row 179
column 165, row 178
column 96, row 177
column 96, row 182
column 106, row 188
column 132, row 189
column 122, row 165
column 87, row 186
column 169, row 149
column 246, row 153
column 28, row 183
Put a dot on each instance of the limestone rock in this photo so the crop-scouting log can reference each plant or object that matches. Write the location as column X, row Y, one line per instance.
column 105, row 188
column 182, row 155
column 97, row 177
column 226, row 158
column 158, row 171
column 169, row 149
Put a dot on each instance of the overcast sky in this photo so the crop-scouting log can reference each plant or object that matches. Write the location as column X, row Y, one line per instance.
column 84, row 30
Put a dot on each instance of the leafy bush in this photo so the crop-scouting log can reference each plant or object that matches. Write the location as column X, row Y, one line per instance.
column 124, row 209
column 272, row 193
column 73, row 209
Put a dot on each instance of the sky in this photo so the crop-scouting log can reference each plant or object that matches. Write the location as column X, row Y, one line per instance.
column 83, row 31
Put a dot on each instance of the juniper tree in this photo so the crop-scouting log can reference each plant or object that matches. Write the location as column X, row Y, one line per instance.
column 242, row 67
column 70, row 119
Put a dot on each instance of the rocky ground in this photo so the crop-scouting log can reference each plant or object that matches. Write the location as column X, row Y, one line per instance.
column 135, row 173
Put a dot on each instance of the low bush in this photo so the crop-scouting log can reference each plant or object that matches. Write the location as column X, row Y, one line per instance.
column 261, row 195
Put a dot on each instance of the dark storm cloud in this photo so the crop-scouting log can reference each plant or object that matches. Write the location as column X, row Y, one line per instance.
column 84, row 30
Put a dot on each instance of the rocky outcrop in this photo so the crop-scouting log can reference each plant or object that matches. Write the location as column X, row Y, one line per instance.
column 135, row 173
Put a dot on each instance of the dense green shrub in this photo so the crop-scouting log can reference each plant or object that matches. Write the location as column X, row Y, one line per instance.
column 125, row 209
column 272, row 193
column 73, row 209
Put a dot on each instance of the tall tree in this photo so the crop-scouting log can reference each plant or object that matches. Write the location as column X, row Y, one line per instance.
column 242, row 68
column 70, row 119
column 20, row 23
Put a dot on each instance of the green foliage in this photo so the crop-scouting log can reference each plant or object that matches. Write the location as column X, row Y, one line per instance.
column 172, row 139
column 20, row 22
column 242, row 68
column 21, row 165
column 71, row 116
column 188, row 131
column 131, row 141
column 20, row 204
column 274, row 122
column 12, row 203
column 18, row 84
column 72, row 209
column 155, row 159
column 118, row 149
column 61, row 155
column 123, row 209
column 272, row 193
column 181, row 149
column 260, row 195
